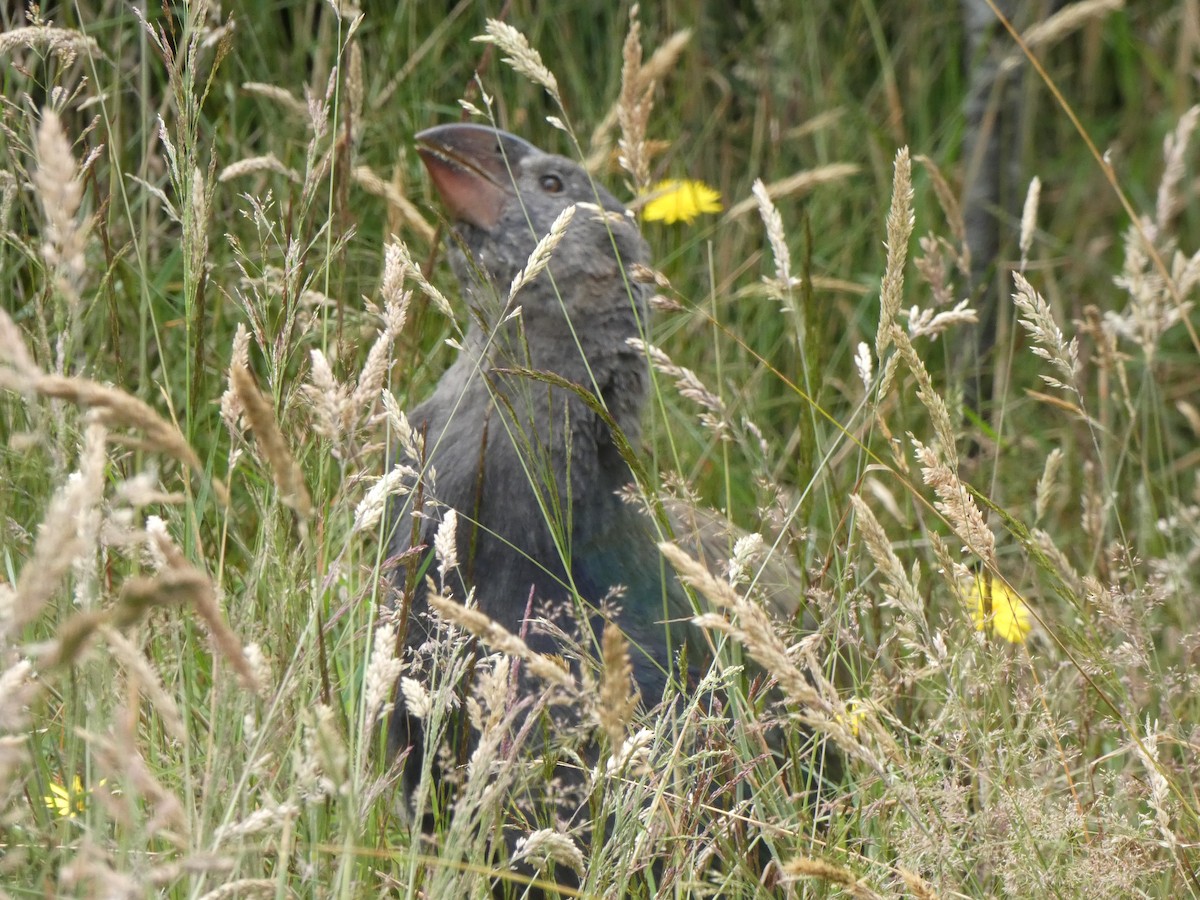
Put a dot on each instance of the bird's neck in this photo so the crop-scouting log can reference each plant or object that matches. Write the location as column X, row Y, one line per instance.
column 588, row 348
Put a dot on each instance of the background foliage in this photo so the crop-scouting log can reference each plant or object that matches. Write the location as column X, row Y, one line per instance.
column 208, row 731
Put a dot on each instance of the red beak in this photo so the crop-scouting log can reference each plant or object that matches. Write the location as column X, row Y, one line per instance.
column 471, row 167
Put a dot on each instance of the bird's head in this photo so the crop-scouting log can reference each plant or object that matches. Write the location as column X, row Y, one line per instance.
column 503, row 194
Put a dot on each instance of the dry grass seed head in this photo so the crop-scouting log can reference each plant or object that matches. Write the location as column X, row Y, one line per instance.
column 903, row 593
column 61, row 539
column 253, row 165
column 633, row 108
column 369, row 512
column 540, row 257
column 138, row 667
column 957, row 505
column 288, row 477
column 810, row 867
column 328, row 398
column 498, row 638
column 545, row 845
column 1029, row 219
column 900, row 223
column 56, row 183
column 793, row 185
column 1049, row 342
column 18, row 687
column 773, row 222
column 816, row 700
column 618, row 691
column 180, row 582
column 523, row 59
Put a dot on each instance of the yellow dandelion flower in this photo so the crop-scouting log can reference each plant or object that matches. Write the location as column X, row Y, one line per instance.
column 1010, row 617
column 66, row 802
column 678, row 200
column 855, row 715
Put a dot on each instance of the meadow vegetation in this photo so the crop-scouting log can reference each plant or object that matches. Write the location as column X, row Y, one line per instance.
column 221, row 285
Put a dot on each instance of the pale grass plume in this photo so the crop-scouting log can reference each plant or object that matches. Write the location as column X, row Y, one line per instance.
column 1175, row 146
column 1054, row 28
column 391, row 287
column 1048, row 484
column 411, row 441
column 1155, row 304
column 401, row 209
column 417, row 701
column 498, row 638
column 18, row 687
column 795, row 185
column 956, row 503
column 157, row 542
column 1057, row 559
column 414, row 272
column 265, row 819
column 747, row 549
column 281, row 97
column 633, row 756
column 1160, row 799
column 491, row 699
column 931, row 323
column 951, row 209
column 322, row 760
column 830, row 873
column 286, row 472
column 92, row 868
column 61, row 537
column 900, row 223
column 140, row 671
column 863, row 364
column 618, row 691
column 383, row 669
column 445, row 544
column 660, row 64
column 118, row 761
column 523, row 59
column 8, row 193
column 933, row 268
column 328, row 398
column 783, row 282
column 180, row 582
column 1029, row 219
column 255, row 165
column 934, row 402
column 355, row 87
column 172, row 156
column 56, row 181
column 917, row 886
column 260, row 666
column 231, row 406
column 633, row 108
column 545, row 845
column 815, row 699
column 398, row 480
column 715, row 416
column 1049, row 342
column 62, row 42
column 902, row 592
column 540, row 257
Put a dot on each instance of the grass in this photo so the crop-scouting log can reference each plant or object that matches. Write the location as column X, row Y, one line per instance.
column 201, row 314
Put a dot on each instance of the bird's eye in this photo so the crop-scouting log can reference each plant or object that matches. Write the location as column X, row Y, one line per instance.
column 551, row 184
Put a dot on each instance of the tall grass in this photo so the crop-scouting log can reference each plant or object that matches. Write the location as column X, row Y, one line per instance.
column 221, row 286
